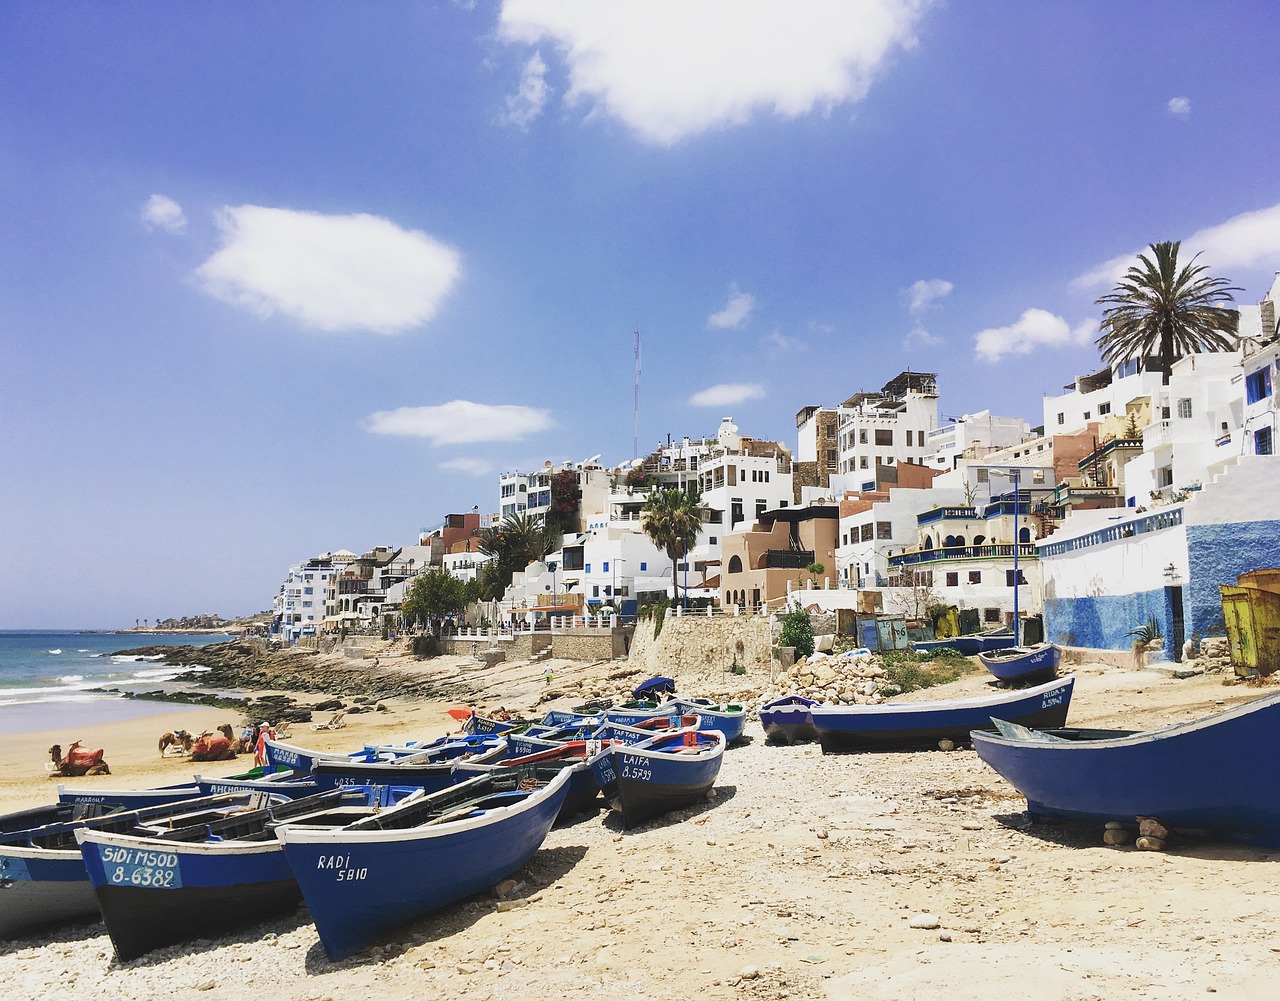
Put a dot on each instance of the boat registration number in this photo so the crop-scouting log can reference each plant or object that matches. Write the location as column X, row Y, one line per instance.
column 636, row 767
column 1050, row 700
column 341, row 867
column 280, row 756
column 141, row 867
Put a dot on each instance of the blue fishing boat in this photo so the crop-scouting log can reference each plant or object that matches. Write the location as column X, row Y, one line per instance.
column 475, row 723
column 282, row 755
column 729, row 718
column 203, row 878
column 427, row 769
column 1210, row 775
column 127, row 799
column 787, row 720
column 637, row 711
column 43, row 881
column 574, row 756
column 669, row 770
column 922, row 724
column 1017, row 664
column 970, row 645
column 368, row 878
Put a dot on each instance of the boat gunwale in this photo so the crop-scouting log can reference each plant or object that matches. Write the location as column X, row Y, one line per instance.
column 996, row 700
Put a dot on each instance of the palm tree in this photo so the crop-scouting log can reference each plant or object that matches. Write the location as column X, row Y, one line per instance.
column 672, row 520
column 1157, row 309
column 514, row 543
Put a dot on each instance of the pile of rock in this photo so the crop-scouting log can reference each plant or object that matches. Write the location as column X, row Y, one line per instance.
column 1214, row 656
column 844, row 678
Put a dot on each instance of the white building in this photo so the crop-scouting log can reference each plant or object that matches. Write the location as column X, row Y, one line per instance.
column 972, row 436
column 884, row 428
column 300, row 603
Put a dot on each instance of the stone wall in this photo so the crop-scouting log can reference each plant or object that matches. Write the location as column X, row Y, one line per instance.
column 699, row 646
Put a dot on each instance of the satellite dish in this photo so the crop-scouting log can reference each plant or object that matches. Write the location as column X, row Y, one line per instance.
column 594, row 458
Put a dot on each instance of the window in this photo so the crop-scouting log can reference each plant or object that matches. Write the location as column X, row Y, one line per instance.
column 862, row 437
column 1262, row 441
column 712, row 541
column 991, row 615
column 953, row 579
column 1257, row 386
column 606, row 567
column 884, row 530
column 1062, row 418
column 1164, row 476
column 862, row 462
column 1008, row 577
column 644, row 566
column 588, row 568
column 1184, row 409
column 595, row 591
column 984, row 475
column 1088, row 414
column 884, row 436
column 761, row 507
column 1103, row 409
column 868, row 532
column 735, row 564
column 910, row 436
column 975, row 576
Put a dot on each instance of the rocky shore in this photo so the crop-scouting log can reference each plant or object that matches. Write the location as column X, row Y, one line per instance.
column 881, row 877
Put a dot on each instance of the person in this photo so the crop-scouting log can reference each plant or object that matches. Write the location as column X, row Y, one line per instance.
column 548, row 675
column 474, row 648
column 265, row 733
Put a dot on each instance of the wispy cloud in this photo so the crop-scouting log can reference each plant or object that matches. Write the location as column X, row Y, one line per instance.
column 669, row 69
column 735, row 312
column 918, row 337
column 1179, row 107
column 924, row 293
column 1250, row 240
column 781, row 343
column 469, row 466
column 526, row 104
column 461, row 422
column 329, row 272
column 1035, row 329
column 162, row 212
column 727, row 394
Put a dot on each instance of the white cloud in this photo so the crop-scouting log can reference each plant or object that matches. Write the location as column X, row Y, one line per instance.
column 727, row 394
column 918, row 337
column 468, row 465
column 461, row 422
column 782, row 344
column 925, row 293
column 162, row 212
column 348, row 272
column 527, row 103
column 1248, row 241
column 1180, row 107
column 1035, row 329
column 735, row 312
column 671, row 68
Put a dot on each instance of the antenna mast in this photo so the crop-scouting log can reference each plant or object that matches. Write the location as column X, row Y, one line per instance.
column 635, row 441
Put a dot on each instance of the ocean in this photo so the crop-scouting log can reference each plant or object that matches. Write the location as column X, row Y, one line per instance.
column 46, row 676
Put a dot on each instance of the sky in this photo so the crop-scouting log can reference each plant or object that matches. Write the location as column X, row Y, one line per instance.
column 279, row 279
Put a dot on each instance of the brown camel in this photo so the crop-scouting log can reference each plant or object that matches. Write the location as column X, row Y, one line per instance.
column 238, row 744
column 210, row 748
column 77, row 761
column 176, row 738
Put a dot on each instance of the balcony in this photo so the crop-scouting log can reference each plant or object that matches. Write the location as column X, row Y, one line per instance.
column 1157, row 433
column 788, row 559
column 1025, row 550
column 947, row 514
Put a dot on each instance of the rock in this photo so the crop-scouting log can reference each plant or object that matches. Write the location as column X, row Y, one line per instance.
column 511, row 905
column 925, row 922
column 946, row 745
column 1150, row 844
column 749, row 973
column 206, row 985
column 504, row 889
column 1115, row 825
column 1150, row 827
column 1115, row 836
column 944, row 936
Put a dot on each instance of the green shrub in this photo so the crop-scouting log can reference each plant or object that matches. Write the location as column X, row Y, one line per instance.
column 797, row 631
column 908, row 671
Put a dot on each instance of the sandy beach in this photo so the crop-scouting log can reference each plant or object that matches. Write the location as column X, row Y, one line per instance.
column 801, row 878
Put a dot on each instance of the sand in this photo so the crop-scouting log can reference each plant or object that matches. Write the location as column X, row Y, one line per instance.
column 801, row 878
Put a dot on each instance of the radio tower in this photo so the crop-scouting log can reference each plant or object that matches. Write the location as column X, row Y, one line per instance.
column 635, row 441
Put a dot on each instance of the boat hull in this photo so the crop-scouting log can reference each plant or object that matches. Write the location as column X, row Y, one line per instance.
column 42, row 889
column 904, row 725
column 361, row 885
column 788, row 720
column 646, row 780
column 1017, row 664
column 1190, row 776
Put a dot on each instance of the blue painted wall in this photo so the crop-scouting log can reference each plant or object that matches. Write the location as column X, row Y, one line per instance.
column 1218, row 554
column 1105, row 622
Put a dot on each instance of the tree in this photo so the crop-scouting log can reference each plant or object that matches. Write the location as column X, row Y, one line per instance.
column 672, row 518
column 566, row 500
column 797, row 632
column 434, row 596
column 514, row 543
column 1159, row 310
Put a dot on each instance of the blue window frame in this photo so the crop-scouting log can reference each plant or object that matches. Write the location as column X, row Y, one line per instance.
column 606, row 566
column 644, row 566
column 1257, row 385
column 588, row 568
column 1262, row 441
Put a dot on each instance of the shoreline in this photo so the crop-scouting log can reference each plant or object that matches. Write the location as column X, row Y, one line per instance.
column 802, row 877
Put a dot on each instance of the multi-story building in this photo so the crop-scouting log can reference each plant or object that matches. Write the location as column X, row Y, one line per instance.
column 972, row 436
column 764, row 563
column 300, row 605
column 884, row 428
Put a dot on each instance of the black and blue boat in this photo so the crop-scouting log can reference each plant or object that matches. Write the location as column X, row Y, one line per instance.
column 364, row 880
column 787, row 720
column 427, row 769
column 574, row 756
column 1210, row 776
column 894, row 725
column 1022, row 664
column 665, row 772
column 729, row 718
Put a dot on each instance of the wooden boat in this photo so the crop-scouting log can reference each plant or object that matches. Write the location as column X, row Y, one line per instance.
column 637, row 711
column 1210, row 775
column 206, row 877
column 1022, row 663
column 283, row 755
column 923, row 724
column 428, row 769
column 787, row 720
column 970, row 645
column 366, row 879
column 43, row 880
column 128, row 799
column 478, row 724
column 575, row 756
column 669, row 770
column 729, row 718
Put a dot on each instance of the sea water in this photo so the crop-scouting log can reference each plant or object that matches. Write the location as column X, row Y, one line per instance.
column 47, row 678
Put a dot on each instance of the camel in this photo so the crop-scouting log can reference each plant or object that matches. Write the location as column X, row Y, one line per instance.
column 77, row 762
column 241, row 745
column 176, row 738
column 210, row 748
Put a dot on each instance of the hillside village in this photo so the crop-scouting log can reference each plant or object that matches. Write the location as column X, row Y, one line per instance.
column 1121, row 513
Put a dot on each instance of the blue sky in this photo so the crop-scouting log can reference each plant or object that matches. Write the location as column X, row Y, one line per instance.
column 279, row 278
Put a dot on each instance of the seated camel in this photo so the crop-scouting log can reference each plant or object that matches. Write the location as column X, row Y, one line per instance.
column 77, row 761
column 241, row 745
column 176, row 738
column 210, row 748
